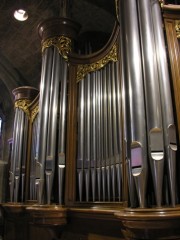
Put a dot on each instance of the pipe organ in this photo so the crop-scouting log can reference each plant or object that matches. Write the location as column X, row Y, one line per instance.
column 103, row 132
column 18, row 164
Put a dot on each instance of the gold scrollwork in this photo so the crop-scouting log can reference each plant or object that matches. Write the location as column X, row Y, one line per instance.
column 24, row 105
column 62, row 43
column 82, row 70
column 177, row 28
column 34, row 113
column 161, row 3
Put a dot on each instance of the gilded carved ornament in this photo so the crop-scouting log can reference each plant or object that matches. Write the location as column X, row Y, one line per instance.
column 84, row 69
column 161, row 3
column 24, row 105
column 177, row 28
column 63, row 44
column 34, row 113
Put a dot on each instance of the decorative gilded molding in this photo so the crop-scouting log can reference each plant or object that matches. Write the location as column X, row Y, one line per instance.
column 34, row 113
column 24, row 105
column 62, row 43
column 161, row 3
column 83, row 70
column 177, row 28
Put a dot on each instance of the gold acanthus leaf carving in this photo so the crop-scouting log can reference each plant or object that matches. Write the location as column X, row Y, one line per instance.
column 63, row 44
column 84, row 69
column 34, row 113
column 177, row 28
column 24, row 105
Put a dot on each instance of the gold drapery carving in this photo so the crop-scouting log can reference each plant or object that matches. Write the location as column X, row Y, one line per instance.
column 83, row 70
column 63, row 44
column 24, row 105
column 177, row 28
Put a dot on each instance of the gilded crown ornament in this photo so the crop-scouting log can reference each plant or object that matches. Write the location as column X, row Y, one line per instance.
column 63, row 44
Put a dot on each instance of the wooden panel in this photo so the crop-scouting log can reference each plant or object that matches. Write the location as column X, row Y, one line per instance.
column 174, row 56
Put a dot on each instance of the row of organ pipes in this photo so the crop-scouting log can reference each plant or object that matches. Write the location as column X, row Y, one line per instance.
column 124, row 115
column 99, row 140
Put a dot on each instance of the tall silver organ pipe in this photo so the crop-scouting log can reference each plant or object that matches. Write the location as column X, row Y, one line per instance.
column 14, row 153
column 19, row 156
column 152, row 97
column 105, row 138
column 52, row 124
column 47, row 60
column 93, row 138
column 137, row 125
column 34, row 157
column 166, row 100
column 125, row 117
column 87, row 136
column 98, row 132
column 81, row 142
column 119, row 106
column 24, row 155
column 62, row 124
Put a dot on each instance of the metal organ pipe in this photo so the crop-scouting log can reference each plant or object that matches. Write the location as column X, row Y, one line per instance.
column 62, row 125
column 19, row 156
column 44, row 107
column 24, row 154
column 119, row 127
column 94, row 139
column 34, row 157
column 52, row 125
column 152, row 97
column 105, row 135
column 80, row 157
column 166, row 100
column 87, row 154
column 125, row 117
column 98, row 132
column 14, row 153
column 136, row 100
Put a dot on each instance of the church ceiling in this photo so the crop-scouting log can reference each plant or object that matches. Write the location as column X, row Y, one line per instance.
column 20, row 47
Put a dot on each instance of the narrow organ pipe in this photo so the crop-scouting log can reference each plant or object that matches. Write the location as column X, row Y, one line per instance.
column 136, row 108
column 125, row 117
column 94, row 139
column 166, row 100
column 87, row 155
column 62, row 126
column 14, row 148
column 152, row 96
column 43, row 110
column 80, row 156
column 52, row 125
